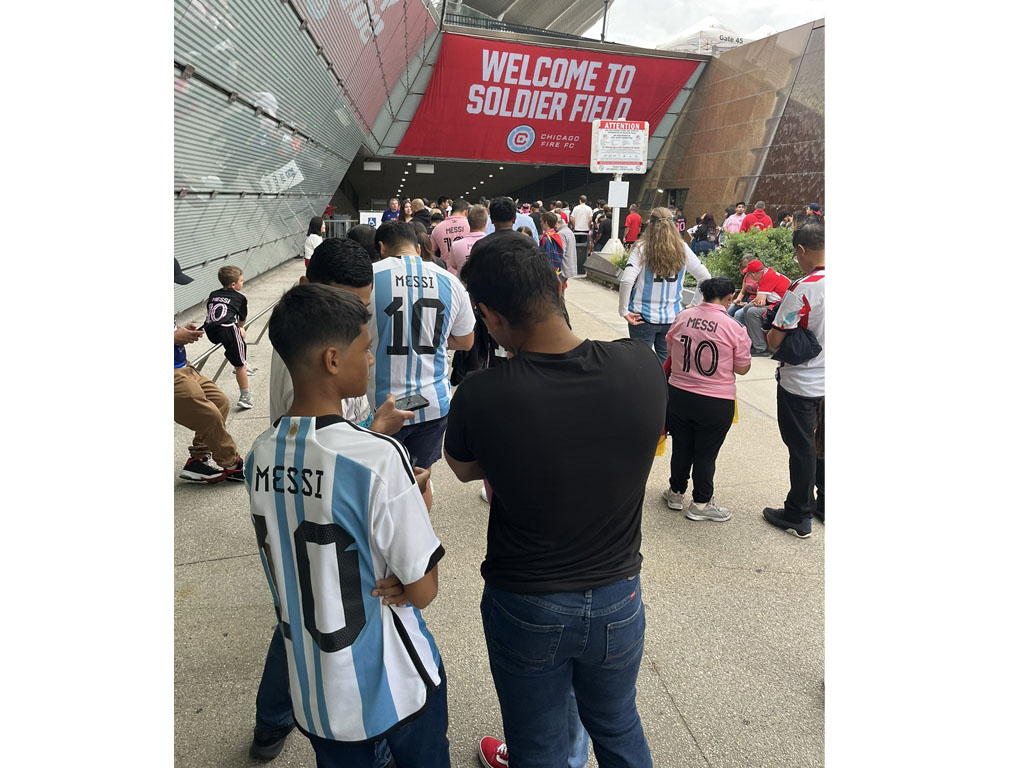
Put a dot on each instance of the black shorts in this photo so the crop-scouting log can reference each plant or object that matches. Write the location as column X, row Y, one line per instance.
column 231, row 337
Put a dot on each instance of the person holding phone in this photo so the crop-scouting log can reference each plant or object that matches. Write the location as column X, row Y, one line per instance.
column 707, row 351
column 420, row 311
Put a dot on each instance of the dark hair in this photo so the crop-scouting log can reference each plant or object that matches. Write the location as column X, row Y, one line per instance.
column 340, row 260
column 811, row 235
column 739, row 204
column 782, row 215
column 363, row 234
column 716, row 287
column 395, row 233
column 709, row 221
column 460, row 205
column 315, row 225
column 729, row 210
column 513, row 276
column 436, row 216
column 798, row 219
column 502, row 210
column 312, row 316
column 426, row 247
column 551, row 219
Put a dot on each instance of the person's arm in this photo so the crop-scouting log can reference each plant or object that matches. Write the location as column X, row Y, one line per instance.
column 626, row 282
column 460, row 343
column 387, row 419
column 786, row 318
column 460, row 336
column 400, row 530
column 741, row 369
column 696, row 268
column 774, row 338
column 187, row 335
column 466, row 471
column 421, row 593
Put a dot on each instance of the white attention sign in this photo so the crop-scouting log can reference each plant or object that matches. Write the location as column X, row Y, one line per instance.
column 618, row 146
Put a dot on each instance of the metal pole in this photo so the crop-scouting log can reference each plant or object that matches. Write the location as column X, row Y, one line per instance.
column 604, row 24
column 614, row 243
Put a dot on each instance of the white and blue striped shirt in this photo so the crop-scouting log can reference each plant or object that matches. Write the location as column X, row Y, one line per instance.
column 657, row 299
column 416, row 306
column 336, row 508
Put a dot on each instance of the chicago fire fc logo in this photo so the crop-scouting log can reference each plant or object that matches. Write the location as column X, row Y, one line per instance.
column 520, row 138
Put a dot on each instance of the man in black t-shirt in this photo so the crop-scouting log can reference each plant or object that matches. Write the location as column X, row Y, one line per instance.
column 565, row 433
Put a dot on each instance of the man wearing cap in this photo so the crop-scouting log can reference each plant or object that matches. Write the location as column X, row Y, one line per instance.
column 814, row 210
column 758, row 218
column 770, row 288
column 201, row 406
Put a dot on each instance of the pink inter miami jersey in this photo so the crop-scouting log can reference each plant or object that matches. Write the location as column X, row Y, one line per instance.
column 448, row 232
column 705, row 344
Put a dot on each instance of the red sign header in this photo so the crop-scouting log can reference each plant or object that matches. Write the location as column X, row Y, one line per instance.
column 509, row 102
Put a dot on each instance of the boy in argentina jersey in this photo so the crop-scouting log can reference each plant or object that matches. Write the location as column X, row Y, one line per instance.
column 420, row 311
column 337, row 509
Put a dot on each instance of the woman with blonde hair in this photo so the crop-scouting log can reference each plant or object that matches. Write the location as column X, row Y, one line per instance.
column 651, row 286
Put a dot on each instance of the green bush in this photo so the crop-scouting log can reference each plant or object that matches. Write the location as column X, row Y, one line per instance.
column 618, row 258
column 772, row 247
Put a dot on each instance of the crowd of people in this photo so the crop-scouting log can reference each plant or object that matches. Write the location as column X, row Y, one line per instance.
column 444, row 332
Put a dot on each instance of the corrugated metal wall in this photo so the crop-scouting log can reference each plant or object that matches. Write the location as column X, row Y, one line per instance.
column 272, row 101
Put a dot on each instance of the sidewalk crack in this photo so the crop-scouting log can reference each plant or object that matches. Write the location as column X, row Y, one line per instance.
column 678, row 710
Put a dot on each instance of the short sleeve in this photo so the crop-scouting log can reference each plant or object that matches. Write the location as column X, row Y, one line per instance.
column 791, row 309
column 400, row 526
column 463, row 319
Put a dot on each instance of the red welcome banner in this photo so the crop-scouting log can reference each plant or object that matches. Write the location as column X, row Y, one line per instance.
column 509, row 102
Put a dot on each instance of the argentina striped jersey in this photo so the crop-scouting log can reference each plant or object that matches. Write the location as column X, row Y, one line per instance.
column 416, row 306
column 336, row 508
column 657, row 299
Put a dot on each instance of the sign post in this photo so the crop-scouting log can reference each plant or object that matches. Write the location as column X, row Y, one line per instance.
column 618, row 146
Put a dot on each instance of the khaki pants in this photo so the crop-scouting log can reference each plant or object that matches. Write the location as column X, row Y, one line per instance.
column 199, row 405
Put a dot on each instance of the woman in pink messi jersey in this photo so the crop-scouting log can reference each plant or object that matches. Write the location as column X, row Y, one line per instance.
column 706, row 350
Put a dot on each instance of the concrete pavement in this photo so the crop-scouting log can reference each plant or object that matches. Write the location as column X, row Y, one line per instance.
column 734, row 658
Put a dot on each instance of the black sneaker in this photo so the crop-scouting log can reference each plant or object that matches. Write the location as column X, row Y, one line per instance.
column 267, row 747
column 201, row 470
column 776, row 517
column 235, row 472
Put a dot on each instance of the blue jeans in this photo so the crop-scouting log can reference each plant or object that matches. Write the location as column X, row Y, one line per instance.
column 274, row 715
column 423, row 742
column 542, row 646
column 653, row 334
column 423, row 440
column 736, row 313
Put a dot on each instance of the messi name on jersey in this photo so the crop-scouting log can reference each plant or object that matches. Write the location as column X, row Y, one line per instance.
column 702, row 325
column 293, row 480
column 414, row 281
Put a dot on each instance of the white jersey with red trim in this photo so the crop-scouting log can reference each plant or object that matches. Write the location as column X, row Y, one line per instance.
column 803, row 306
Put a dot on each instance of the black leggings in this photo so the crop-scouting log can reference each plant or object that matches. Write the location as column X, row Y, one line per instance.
column 698, row 425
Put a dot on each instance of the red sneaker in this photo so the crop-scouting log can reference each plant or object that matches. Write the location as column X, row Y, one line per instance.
column 493, row 753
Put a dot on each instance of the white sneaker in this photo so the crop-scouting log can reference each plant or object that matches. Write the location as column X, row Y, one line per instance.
column 249, row 370
column 245, row 402
column 711, row 512
column 483, row 493
column 673, row 499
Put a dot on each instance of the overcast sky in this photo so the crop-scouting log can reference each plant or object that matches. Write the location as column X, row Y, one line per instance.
column 650, row 22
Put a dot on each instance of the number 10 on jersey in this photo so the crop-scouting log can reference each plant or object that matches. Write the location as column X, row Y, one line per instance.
column 396, row 311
